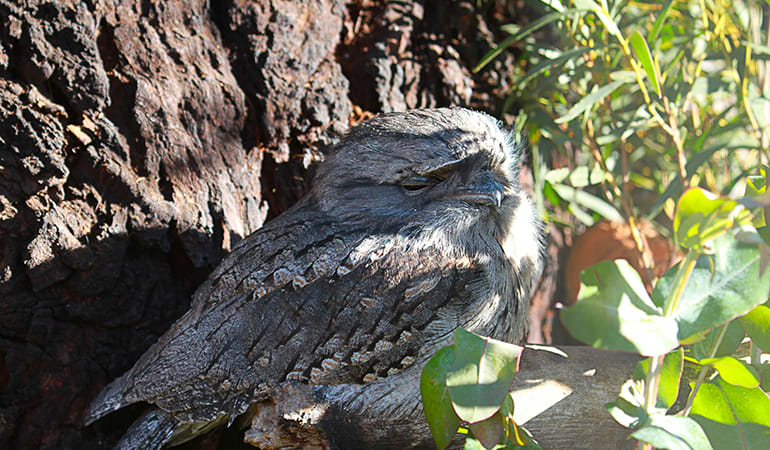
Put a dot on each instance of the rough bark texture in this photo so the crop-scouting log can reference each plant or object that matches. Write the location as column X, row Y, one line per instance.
column 139, row 140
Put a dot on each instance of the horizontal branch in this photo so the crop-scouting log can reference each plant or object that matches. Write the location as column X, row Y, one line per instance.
column 559, row 395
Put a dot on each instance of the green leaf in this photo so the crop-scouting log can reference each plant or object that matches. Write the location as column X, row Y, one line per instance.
column 550, row 193
column 556, row 176
column 471, row 443
column 764, row 373
column 615, row 312
column 587, row 200
column 660, row 20
column 721, row 287
column 522, row 439
column 732, row 416
column 479, row 378
column 670, row 376
column 582, row 176
column 610, row 24
column 730, row 341
column 645, row 58
column 442, row 420
column 628, row 409
column 674, row 188
column 589, row 100
column 490, row 431
column 672, row 432
column 700, row 216
column 573, row 54
column 757, row 325
column 517, row 34
column 755, row 185
column 734, row 371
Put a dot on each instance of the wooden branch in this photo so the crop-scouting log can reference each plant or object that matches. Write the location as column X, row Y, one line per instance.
column 559, row 395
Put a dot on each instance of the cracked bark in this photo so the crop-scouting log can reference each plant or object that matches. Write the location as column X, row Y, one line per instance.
column 139, row 140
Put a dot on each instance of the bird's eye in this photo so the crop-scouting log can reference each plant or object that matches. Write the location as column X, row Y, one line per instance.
column 414, row 185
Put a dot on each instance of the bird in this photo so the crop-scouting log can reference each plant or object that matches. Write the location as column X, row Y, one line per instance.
column 415, row 224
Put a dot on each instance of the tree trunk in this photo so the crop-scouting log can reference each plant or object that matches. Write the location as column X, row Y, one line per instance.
column 139, row 140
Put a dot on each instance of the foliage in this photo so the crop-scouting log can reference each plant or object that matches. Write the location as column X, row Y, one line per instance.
column 469, row 382
column 661, row 111
column 642, row 100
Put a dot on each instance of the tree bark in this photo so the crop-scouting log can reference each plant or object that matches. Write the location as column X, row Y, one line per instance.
column 139, row 140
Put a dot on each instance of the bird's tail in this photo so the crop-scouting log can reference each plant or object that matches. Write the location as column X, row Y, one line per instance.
column 150, row 431
column 109, row 400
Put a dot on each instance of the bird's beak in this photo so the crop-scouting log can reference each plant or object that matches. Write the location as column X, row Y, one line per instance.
column 485, row 190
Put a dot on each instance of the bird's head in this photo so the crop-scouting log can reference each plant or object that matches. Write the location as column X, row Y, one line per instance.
column 447, row 178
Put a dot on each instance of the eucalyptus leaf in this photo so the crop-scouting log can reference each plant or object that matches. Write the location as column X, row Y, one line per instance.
column 587, row 200
column 614, row 312
column 628, row 408
column 660, row 20
column 722, row 286
column 700, row 216
column 490, row 431
column 672, row 432
column 437, row 405
column 561, row 59
column 479, row 378
column 757, row 324
column 730, row 341
column 674, row 189
column 732, row 416
column 734, row 371
column 589, row 100
column 764, row 373
column 472, row 443
column 642, row 51
column 517, row 34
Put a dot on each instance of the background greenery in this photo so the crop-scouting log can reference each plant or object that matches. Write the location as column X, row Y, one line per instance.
column 648, row 113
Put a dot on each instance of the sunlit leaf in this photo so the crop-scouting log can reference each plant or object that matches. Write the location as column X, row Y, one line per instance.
column 483, row 369
column 733, row 416
column 672, row 432
column 589, row 100
column 721, row 287
column 734, row 371
column 561, row 59
column 587, row 200
column 660, row 20
column 642, row 51
column 701, row 216
column 615, row 312
column 517, row 34
column 628, row 408
column 757, row 325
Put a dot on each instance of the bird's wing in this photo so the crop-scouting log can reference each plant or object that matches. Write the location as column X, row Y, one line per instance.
column 297, row 247
column 375, row 313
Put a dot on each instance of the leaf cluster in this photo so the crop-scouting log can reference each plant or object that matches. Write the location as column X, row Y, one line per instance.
column 657, row 111
column 467, row 384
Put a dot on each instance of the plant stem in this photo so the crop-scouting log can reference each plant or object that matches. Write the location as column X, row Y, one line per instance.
column 676, row 137
column 680, row 281
column 756, row 355
column 702, row 374
column 652, row 382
